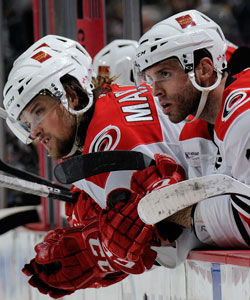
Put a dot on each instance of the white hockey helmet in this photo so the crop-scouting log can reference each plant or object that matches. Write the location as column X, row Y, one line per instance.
column 116, row 59
column 41, row 67
column 180, row 36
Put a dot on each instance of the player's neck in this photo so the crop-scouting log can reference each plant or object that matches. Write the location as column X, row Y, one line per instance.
column 213, row 104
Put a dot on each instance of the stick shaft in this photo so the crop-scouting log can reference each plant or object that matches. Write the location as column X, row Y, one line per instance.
column 34, row 188
column 28, row 176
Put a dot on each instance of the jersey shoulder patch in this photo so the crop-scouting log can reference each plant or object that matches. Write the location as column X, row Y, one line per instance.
column 236, row 101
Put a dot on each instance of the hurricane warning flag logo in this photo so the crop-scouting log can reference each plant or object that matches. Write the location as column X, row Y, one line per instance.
column 41, row 56
column 185, row 21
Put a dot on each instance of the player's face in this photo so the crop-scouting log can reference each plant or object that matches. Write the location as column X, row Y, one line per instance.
column 50, row 124
column 175, row 92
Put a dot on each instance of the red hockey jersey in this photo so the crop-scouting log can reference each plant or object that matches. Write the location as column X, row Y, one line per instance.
column 127, row 119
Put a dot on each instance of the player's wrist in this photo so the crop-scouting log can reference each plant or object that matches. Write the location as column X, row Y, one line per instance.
column 182, row 217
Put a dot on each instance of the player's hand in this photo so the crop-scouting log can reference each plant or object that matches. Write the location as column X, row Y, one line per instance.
column 83, row 209
column 163, row 173
column 124, row 234
column 70, row 259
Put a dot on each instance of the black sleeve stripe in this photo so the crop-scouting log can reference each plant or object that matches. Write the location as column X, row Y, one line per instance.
column 241, row 204
column 240, row 226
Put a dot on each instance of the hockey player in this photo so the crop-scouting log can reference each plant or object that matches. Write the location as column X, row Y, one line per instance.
column 116, row 61
column 183, row 58
column 52, row 97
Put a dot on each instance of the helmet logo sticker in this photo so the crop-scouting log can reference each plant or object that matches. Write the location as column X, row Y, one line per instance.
column 41, row 56
column 185, row 21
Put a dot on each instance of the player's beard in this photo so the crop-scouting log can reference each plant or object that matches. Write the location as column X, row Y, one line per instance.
column 61, row 147
column 185, row 102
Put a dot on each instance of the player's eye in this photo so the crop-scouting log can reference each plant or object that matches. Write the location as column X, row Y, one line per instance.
column 39, row 112
column 164, row 74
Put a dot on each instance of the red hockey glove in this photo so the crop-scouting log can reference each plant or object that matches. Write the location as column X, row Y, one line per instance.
column 84, row 209
column 164, row 172
column 70, row 259
column 124, row 234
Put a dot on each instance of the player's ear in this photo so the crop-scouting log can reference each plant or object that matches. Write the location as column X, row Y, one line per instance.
column 72, row 97
column 204, row 70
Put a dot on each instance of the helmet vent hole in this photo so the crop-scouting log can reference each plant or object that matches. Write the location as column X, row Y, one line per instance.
column 106, row 53
column 153, row 48
column 18, row 105
column 73, row 57
column 20, row 90
column 8, row 90
column 205, row 18
column 144, row 41
column 219, row 33
column 164, row 43
column 28, row 82
column 78, row 48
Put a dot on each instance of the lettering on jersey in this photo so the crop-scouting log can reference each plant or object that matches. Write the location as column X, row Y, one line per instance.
column 233, row 101
column 119, row 94
column 191, row 155
column 135, row 112
column 105, row 140
column 139, row 112
column 97, row 251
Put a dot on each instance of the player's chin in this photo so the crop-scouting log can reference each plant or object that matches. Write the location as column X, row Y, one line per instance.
column 174, row 118
column 54, row 153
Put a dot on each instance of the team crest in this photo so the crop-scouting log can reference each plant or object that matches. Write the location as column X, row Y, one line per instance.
column 106, row 140
column 234, row 100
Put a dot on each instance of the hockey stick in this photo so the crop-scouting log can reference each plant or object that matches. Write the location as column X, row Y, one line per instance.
column 28, row 176
column 14, row 217
column 165, row 202
column 83, row 166
column 35, row 188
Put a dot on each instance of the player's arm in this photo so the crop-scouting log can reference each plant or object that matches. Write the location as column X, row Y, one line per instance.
column 182, row 217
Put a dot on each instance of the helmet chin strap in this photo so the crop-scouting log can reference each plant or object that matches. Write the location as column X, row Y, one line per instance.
column 75, row 147
column 78, row 114
column 204, row 92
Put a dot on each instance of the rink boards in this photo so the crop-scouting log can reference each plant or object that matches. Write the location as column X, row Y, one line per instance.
column 206, row 275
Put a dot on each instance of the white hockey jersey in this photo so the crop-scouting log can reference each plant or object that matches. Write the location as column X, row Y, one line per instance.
column 224, row 149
